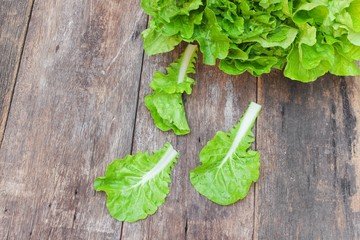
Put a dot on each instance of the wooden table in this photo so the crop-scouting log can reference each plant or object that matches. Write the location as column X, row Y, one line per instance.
column 73, row 79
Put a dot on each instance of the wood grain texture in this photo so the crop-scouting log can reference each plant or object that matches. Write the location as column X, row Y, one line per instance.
column 354, row 103
column 14, row 18
column 307, row 134
column 73, row 111
column 217, row 102
column 78, row 104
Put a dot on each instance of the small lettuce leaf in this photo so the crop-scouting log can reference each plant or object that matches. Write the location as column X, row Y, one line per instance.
column 165, row 103
column 354, row 12
column 167, row 9
column 155, row 41
column 282, row 36
column 170, row 8
column 314, row 12
column 258, row 24
column 311, row 57
column 238, row 61
column 308, row 63
column 227, row 17
column 138, row 184
column 167, row 111
column 183, row 24
column 229, row 166
column 345, row 64
column 172, row 22
column 256, row 66
column 213, row 42
column 176, row 80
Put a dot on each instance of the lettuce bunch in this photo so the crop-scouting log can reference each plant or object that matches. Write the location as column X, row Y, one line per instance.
column 304, row 38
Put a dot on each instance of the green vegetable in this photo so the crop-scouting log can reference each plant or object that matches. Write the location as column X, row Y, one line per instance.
column 229, row 166
column 138, row 184
column 305, row 38
column 165, row 104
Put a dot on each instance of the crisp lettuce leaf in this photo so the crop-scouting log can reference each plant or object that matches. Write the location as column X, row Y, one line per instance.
column 167, row 9
column 229, row 166
column 183, row 25
column 238, row 61
column 213, row 42
column 311, row 12
column 227, row 17
column 256, row 66
column 165, row 103
column 172, row 22
column 283, row 36
column 295, row 68
column 167, row 111
column 177, row 80
column 155, row 41
column 354, row 12
column 138, row 184
column 344, row 64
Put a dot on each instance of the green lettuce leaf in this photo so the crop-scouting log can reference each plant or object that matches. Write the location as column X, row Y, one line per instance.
column 283, row 36
column 313, row 12
column 138, row 184
column 256, row 66
column 165, row 103
column 229, row 166
column 354, row 12
column 155, row 41
column 177, row 80
column 172, row 22
column 345, row 64
column 167, row 111
column 183, row 25
column 227, row 17
column 213, row 42
column 308, row 64
column 167, row 9
column 238, row 61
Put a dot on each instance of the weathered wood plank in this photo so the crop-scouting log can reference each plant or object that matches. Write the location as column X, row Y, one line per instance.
column 148, row 137
column 73, row 112
column 307, row 134
column 219, row 100
column 354, row 101
column 14, row 18
column 216, row 103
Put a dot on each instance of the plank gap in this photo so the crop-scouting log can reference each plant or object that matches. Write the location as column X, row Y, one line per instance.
column 138, row 96
column 16, row 68
column 136, row 114
column 256, row 148
column 137, row 102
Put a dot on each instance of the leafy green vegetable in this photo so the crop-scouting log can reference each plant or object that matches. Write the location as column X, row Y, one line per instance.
column 138, row 184
column 166, row 104
column 156, row 42
column 228, row 165
column 172, row 22
column 304, row 38
column 213, row 42
column 168, row 112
